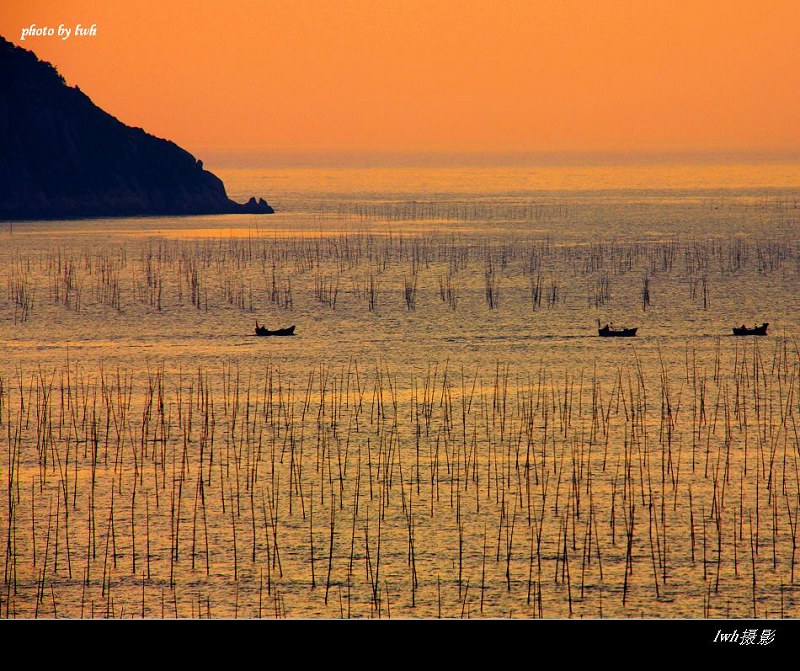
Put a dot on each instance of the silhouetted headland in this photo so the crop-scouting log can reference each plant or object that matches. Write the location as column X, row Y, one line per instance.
column 62, row 157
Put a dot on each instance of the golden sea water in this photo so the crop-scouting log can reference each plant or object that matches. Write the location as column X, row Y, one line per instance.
column 445, row 435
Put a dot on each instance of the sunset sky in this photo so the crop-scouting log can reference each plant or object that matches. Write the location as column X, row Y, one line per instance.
column 436, row 75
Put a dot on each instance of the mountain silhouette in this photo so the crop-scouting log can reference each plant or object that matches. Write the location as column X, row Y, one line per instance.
column 62, row 157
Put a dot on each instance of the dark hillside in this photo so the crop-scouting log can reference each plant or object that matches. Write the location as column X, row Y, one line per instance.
column 63, row 157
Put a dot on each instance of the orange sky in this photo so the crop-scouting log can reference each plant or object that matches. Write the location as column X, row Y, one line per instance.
column 476, row 75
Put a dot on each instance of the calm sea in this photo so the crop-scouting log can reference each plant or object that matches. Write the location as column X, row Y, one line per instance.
column 446, row 434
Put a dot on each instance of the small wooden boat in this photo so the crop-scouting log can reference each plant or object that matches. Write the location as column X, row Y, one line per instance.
column 608, row 332
column 755, row 331
column 264, row 331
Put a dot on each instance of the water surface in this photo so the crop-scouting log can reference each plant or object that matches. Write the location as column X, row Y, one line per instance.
column 446, row 434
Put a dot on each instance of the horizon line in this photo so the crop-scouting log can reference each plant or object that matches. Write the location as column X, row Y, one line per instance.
column 545, row 158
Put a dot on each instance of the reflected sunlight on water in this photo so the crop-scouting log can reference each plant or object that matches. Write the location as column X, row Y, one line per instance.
column 445, row 435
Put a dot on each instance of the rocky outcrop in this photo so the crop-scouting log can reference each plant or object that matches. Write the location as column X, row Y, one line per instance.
column 62, row 157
